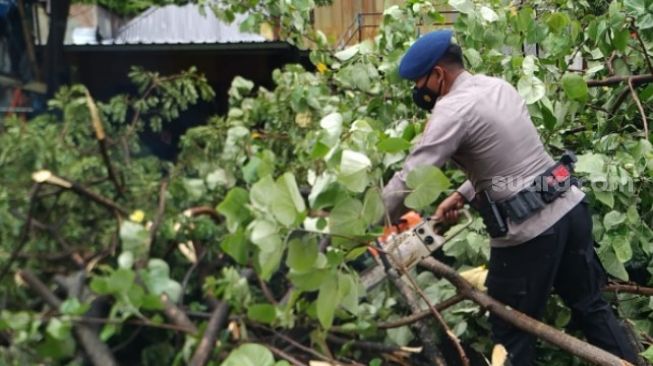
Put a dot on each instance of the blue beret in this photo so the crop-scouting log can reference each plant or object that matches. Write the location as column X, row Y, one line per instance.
column 422, row 56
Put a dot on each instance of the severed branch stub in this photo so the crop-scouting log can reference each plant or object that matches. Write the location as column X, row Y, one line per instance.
column 522, row 321
column 102, row 142
column 46, row 176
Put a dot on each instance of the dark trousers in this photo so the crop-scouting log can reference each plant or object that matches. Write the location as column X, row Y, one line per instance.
column 561, row 258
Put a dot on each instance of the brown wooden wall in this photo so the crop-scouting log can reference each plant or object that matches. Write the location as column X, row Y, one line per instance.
column 352, row 21
column 334, row 20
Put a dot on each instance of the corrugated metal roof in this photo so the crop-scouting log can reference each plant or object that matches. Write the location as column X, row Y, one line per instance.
column 173, row 24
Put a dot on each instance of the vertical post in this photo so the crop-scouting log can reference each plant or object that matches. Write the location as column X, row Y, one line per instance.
column 359, row 18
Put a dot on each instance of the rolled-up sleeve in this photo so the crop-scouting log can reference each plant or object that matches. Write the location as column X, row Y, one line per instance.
column 443, row 135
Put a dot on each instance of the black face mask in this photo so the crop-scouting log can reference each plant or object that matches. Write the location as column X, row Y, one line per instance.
column 424, row 97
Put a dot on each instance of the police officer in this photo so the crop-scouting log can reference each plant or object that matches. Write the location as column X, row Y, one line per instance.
column 481, row 123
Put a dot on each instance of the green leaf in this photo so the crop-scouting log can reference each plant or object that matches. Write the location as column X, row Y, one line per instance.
column 249, row 355
column 120, row 280
column 135, row 239
column 157, row 279
column 393, row 145
column 373, row 208
column 353, row 170
column 575, row 87
column 636, row 6
column 488, row 14
column 72, row 306
column 348, row 292
column 427, row 183
column 645, row 22
column 347, row 53
column 607, row 198
column 531, row 88
column 612, row 219
column 327, row 301
column 611, row 264
column 236, row 246
column 309, row 281
column 301, row 254
column 557, row 22
column 234, row 208
column 632, row 214
column 622, row 248
column 463, row 6
column 620, row 39
column 591, row 163
column 287, row 203
column 648, row 354
column 58, row 329
column 346, row 219
column 263, row 313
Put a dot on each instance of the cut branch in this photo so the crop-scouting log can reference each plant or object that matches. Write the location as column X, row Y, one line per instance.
column 522, row 321
column 207, row 344
column 102, row 142
column 45, row 176
column 97, row 351
column 614, row 80
column 631, row 289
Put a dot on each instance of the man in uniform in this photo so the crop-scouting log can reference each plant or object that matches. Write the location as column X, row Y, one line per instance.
column 541, row 238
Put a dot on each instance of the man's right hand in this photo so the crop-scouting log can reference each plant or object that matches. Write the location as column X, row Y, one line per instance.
column 448, row 210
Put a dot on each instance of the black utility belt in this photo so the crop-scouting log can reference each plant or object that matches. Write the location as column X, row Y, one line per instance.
column 545, row 189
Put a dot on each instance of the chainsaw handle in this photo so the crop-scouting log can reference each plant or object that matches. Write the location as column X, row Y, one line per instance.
column 468, row 221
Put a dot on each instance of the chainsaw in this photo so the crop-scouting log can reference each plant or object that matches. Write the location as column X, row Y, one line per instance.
column 407, row 248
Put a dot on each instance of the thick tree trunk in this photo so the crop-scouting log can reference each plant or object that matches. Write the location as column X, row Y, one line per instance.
column 54, row 63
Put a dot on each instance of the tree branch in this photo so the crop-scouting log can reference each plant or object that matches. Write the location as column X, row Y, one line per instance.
column 102, row 142
column 614, row 80
column 522, row 321
column 641, row 43
column 453, row 300
column 630, row 289
column 45, row 176
column 427, row 335
column 454, row 339
column 279, row 353
column 207, row 343
column 639, row 106
column 98, row 352
column 204, row 210
column 160, row 209
column 176, row 315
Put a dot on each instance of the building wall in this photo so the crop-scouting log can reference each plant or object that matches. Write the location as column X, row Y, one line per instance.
column 336, row 19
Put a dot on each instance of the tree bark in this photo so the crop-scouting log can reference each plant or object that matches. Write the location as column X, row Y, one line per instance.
column 427, row 335
column 614, row 80
column 207, row 344
column 522, row 321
